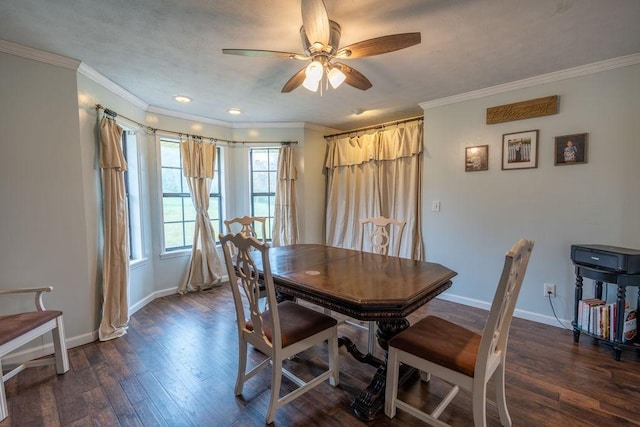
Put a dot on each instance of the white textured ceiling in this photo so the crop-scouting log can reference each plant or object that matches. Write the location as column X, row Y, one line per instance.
column 156, row 49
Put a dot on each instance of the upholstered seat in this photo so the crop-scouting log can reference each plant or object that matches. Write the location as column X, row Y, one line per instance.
column 465, row 359
column 441, row 342
column 297, row 323
column 280, row 331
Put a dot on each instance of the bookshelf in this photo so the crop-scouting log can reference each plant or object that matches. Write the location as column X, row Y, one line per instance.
column 599, row 277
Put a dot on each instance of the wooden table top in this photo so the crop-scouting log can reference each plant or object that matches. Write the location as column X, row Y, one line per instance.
column 362, row 285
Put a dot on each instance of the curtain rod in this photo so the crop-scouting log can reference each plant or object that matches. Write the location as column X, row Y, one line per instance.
column 380, row 126
column 113, row 115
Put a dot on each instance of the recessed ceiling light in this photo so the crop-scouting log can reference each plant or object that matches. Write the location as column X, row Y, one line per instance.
column 358, row 111
column 234, row 111
column 182, row 99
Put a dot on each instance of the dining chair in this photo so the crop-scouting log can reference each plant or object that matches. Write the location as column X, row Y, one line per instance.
column 378, row 231
column 462, row 357
column 19, row 329
column 280, row 331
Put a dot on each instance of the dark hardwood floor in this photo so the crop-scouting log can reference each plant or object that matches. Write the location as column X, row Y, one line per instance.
column 177, row 367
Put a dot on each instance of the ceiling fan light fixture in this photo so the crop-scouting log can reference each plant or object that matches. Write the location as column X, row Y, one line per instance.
column 336, row 77
column 311, row 84
column 314, row 71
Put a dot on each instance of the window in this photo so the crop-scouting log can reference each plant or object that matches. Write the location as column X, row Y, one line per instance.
column 264, row 170
column 177, row 208
column 132, row 189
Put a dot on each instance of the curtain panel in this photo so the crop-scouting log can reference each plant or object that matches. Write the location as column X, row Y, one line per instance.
column 204, row 269
column 115, row 256
column 285, row 217
column 375, row 174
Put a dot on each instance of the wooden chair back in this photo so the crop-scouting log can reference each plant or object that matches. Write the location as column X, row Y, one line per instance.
column 379, row 234
column 254, row 226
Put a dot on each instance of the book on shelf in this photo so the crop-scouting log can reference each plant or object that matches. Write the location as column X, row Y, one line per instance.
column 630, row 329
column 586, row 314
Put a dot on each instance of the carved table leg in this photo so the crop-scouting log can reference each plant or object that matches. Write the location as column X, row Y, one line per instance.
column 371, row 400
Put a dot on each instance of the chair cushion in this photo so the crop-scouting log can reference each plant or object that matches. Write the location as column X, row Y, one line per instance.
column 14, row 325
column 297, row 322
column 441, row 342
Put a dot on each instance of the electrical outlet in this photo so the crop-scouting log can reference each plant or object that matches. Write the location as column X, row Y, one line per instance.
column 550, row 290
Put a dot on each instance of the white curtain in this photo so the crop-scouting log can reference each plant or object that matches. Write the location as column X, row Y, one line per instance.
column 115, row 257
column 285, row 219
column 375, row 174
column 198, row 164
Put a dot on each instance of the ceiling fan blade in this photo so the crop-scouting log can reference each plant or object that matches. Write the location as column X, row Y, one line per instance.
column 354, row 77
column 379, row 45
column 294, row 81
column 264, row 53
column 315, row 21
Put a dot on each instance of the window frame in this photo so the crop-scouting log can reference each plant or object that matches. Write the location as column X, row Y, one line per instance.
column 270, row 195
column 185, row 198
column 133, row 192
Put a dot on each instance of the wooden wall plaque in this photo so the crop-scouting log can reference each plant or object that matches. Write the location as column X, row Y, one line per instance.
column 523, row 110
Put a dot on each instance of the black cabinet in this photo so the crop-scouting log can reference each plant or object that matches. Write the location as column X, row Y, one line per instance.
column 622, row 281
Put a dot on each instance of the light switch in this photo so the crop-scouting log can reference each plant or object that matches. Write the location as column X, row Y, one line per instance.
column 435, row 206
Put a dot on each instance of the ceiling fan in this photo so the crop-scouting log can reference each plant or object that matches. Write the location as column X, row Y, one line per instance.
column 321, row 40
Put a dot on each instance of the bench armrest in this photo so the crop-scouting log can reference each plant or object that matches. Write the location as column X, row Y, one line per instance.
column 37, row 291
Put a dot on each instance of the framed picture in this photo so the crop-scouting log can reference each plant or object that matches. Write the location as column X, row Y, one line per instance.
column 520, row 150
column 571, row 149
column 476, row 158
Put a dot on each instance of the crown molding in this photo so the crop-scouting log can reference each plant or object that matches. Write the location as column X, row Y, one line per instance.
column 186, row 116
column 38, row 55
column 230, row 125
column 583, row 70
column 99, row 78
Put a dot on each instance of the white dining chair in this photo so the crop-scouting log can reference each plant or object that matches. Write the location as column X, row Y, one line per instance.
column 280, row 331
column 462, row 357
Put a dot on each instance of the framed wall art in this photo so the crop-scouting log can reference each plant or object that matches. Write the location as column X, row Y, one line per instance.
column 520, row 150
column 571, row 149
column 476, row 158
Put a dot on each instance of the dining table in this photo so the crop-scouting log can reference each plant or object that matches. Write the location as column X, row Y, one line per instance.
column 364, row 286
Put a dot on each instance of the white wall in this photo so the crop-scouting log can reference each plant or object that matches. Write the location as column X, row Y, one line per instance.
column 43, row 227
column 484, row 213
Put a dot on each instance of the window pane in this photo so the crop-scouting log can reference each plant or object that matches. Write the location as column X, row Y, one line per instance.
column 189, row 210
column 171, row 181
column 273, row 179
column 185, row 184
column 261, row 206
column 170, row 154
column 268, row 227
column 260, row 160
column 172, row 209
column 260, row 182
column 214, row 208
column 258, row 228
column 273, row 159
column 173, row 237
column 189, row 229
column 272, row 206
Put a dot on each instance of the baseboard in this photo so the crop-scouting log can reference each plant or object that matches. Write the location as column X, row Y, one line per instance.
column 521, row 314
